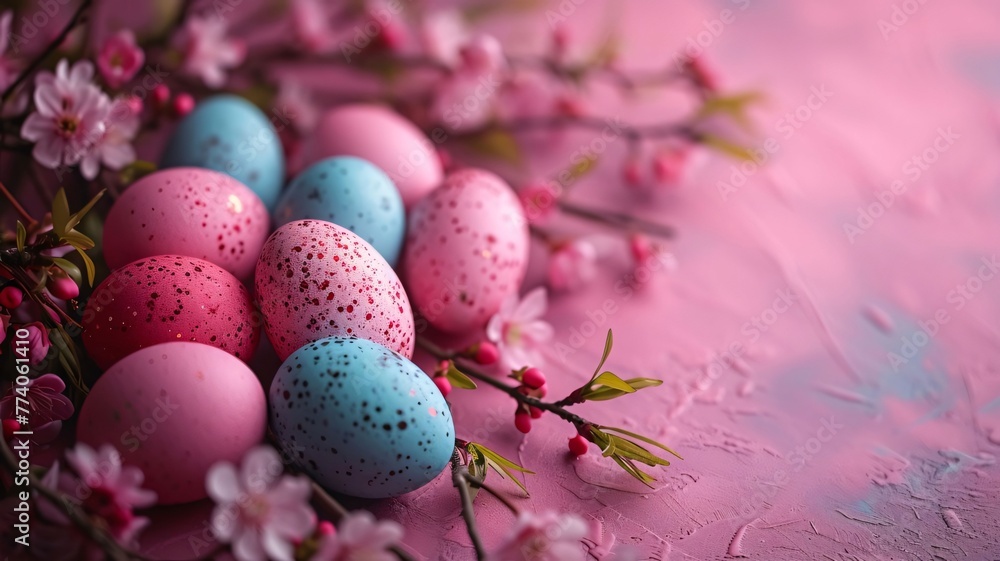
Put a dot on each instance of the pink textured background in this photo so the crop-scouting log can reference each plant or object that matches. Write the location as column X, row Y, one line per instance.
column 911, row 473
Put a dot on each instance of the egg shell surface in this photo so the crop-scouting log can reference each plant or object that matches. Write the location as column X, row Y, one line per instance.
column 228, row 134
column 315, row 279
column 187, row 211
column 361, row 419
column 384, row 138
column 173, row 410
column 466, row 250
column 169, row 298
column 353, row 193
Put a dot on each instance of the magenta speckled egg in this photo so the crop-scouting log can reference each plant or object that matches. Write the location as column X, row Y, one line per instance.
column 466, row 250
column 315, row 279
column 169, row 298
column 379, row 135
column 187, row 211
column 173, row 410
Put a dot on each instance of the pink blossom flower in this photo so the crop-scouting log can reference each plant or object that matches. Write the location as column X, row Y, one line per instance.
column 4, row 322
column 539, row 200
column 482, row 54
column 206, row 51
column 548, row 536
column 311, row 26
column 46, row 403
column 38, row 342
column 69, row 118
column 296, row 105
column 442, row 34
column 461, row 103
column 572, row 265
column 114, row 147
column 526, row 96
column 359, row 537
column 8, row 67
column 119, row 59
column 109, row 490
column 257, row 510
column 518, row 330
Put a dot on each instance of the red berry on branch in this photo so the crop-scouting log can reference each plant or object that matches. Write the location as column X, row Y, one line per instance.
column 11, row 297
column 443, row 385
column 578, row 445
column 522, row 420
column 486, row 353
column 183, row 104
column 63, row 288
column 535, row 412
column 161, row 95
column 541, row 391
column 533, row 378
column 326, row 528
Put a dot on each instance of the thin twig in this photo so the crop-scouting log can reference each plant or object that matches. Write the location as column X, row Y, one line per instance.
column 458, row 473
column 618, row 220
column 17, row 206
column 480, row 484
column 98, row 535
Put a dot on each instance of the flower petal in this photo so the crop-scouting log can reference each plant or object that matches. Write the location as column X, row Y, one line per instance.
column 276, row 548
column 532, row 306
column 261, row 467
column 248, row 547
column 223, row 483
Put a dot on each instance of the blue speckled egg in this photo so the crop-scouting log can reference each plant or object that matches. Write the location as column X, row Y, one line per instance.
column 229, row 134
column 352, row 193
column 360, row 419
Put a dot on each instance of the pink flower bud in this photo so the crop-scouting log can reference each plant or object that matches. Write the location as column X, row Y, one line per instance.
column 119, row 58
column 541, row 391
column 701, row 74
column 540, row 201
column 10, row 426
column 522, row 421
column 632, row 173
column 63, row 288
column 326, row 528
column 486, row 353
column 443, row 385
column 183, row 104
column 482, row 55
column 134, row 104
column 578, row 445
column 572, row 265
column 161, row 95
column 533, row 378
column 560, row 42
column 11, row 297
column 535, row 412
column 640, row 247
column 669, row 167
column 38, row 342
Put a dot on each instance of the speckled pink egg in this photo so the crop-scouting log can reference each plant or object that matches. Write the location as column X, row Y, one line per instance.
column 315, row 279
column 466, row 250
column 384, row 138
column 169, row 298
column 173, row 410
column 187, row 211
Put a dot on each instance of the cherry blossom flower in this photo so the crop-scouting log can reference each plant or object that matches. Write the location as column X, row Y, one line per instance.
column 206, row 51
column 114, row 147
column 442, row 34
column 482, row 54
column 518, row 330
column 8, row 67
column 70, row 116
column 46, row 402
column 310, row 24
column 540, row 200
column 119, row 59
column 572, row 265
column 259, row 511
column 108, row 489
column 38, row 342
column 294, row 102
column 548, row 536
column 360, row 536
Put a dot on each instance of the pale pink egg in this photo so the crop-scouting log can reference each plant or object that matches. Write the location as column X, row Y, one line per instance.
column 384, row 138
column 187, row 211
column 466, row 250
column 315, row 279
column 173, row 410
column 169, row 298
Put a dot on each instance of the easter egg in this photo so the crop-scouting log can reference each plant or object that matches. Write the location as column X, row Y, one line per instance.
column 227, row 133
column 466, row 250
column 173, row 410
column 382, row 137
column 315, row 279
column 361, row 419
column 353, row 193
column 187, row 211
column 169, row 298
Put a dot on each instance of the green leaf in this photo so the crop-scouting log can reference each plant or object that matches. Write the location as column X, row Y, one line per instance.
column 498, row 463
column 642, row 438
column 71, row 269
column 78, row 240
column 583, row 167
column 606, row 393
column 22, row 236
column 60, row 213
column 634, row 471
column 726, row 147
column 458, row 379
column 609, row 379
column 735, row 106
column 496, row 143
column 78, row 216
column 91, row 269
column 608, row 343
column 631, row 450
column 136, row 170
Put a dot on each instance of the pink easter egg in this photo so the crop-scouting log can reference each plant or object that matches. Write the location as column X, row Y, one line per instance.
column 379, row 135
column 187, row 211
column 169, row 298
column 466, row 250
column 315, row 279
column 173, row 410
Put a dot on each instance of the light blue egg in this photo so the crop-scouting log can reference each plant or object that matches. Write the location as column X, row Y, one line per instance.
column 229, row 134
column 359, row 418
column 352, row 193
